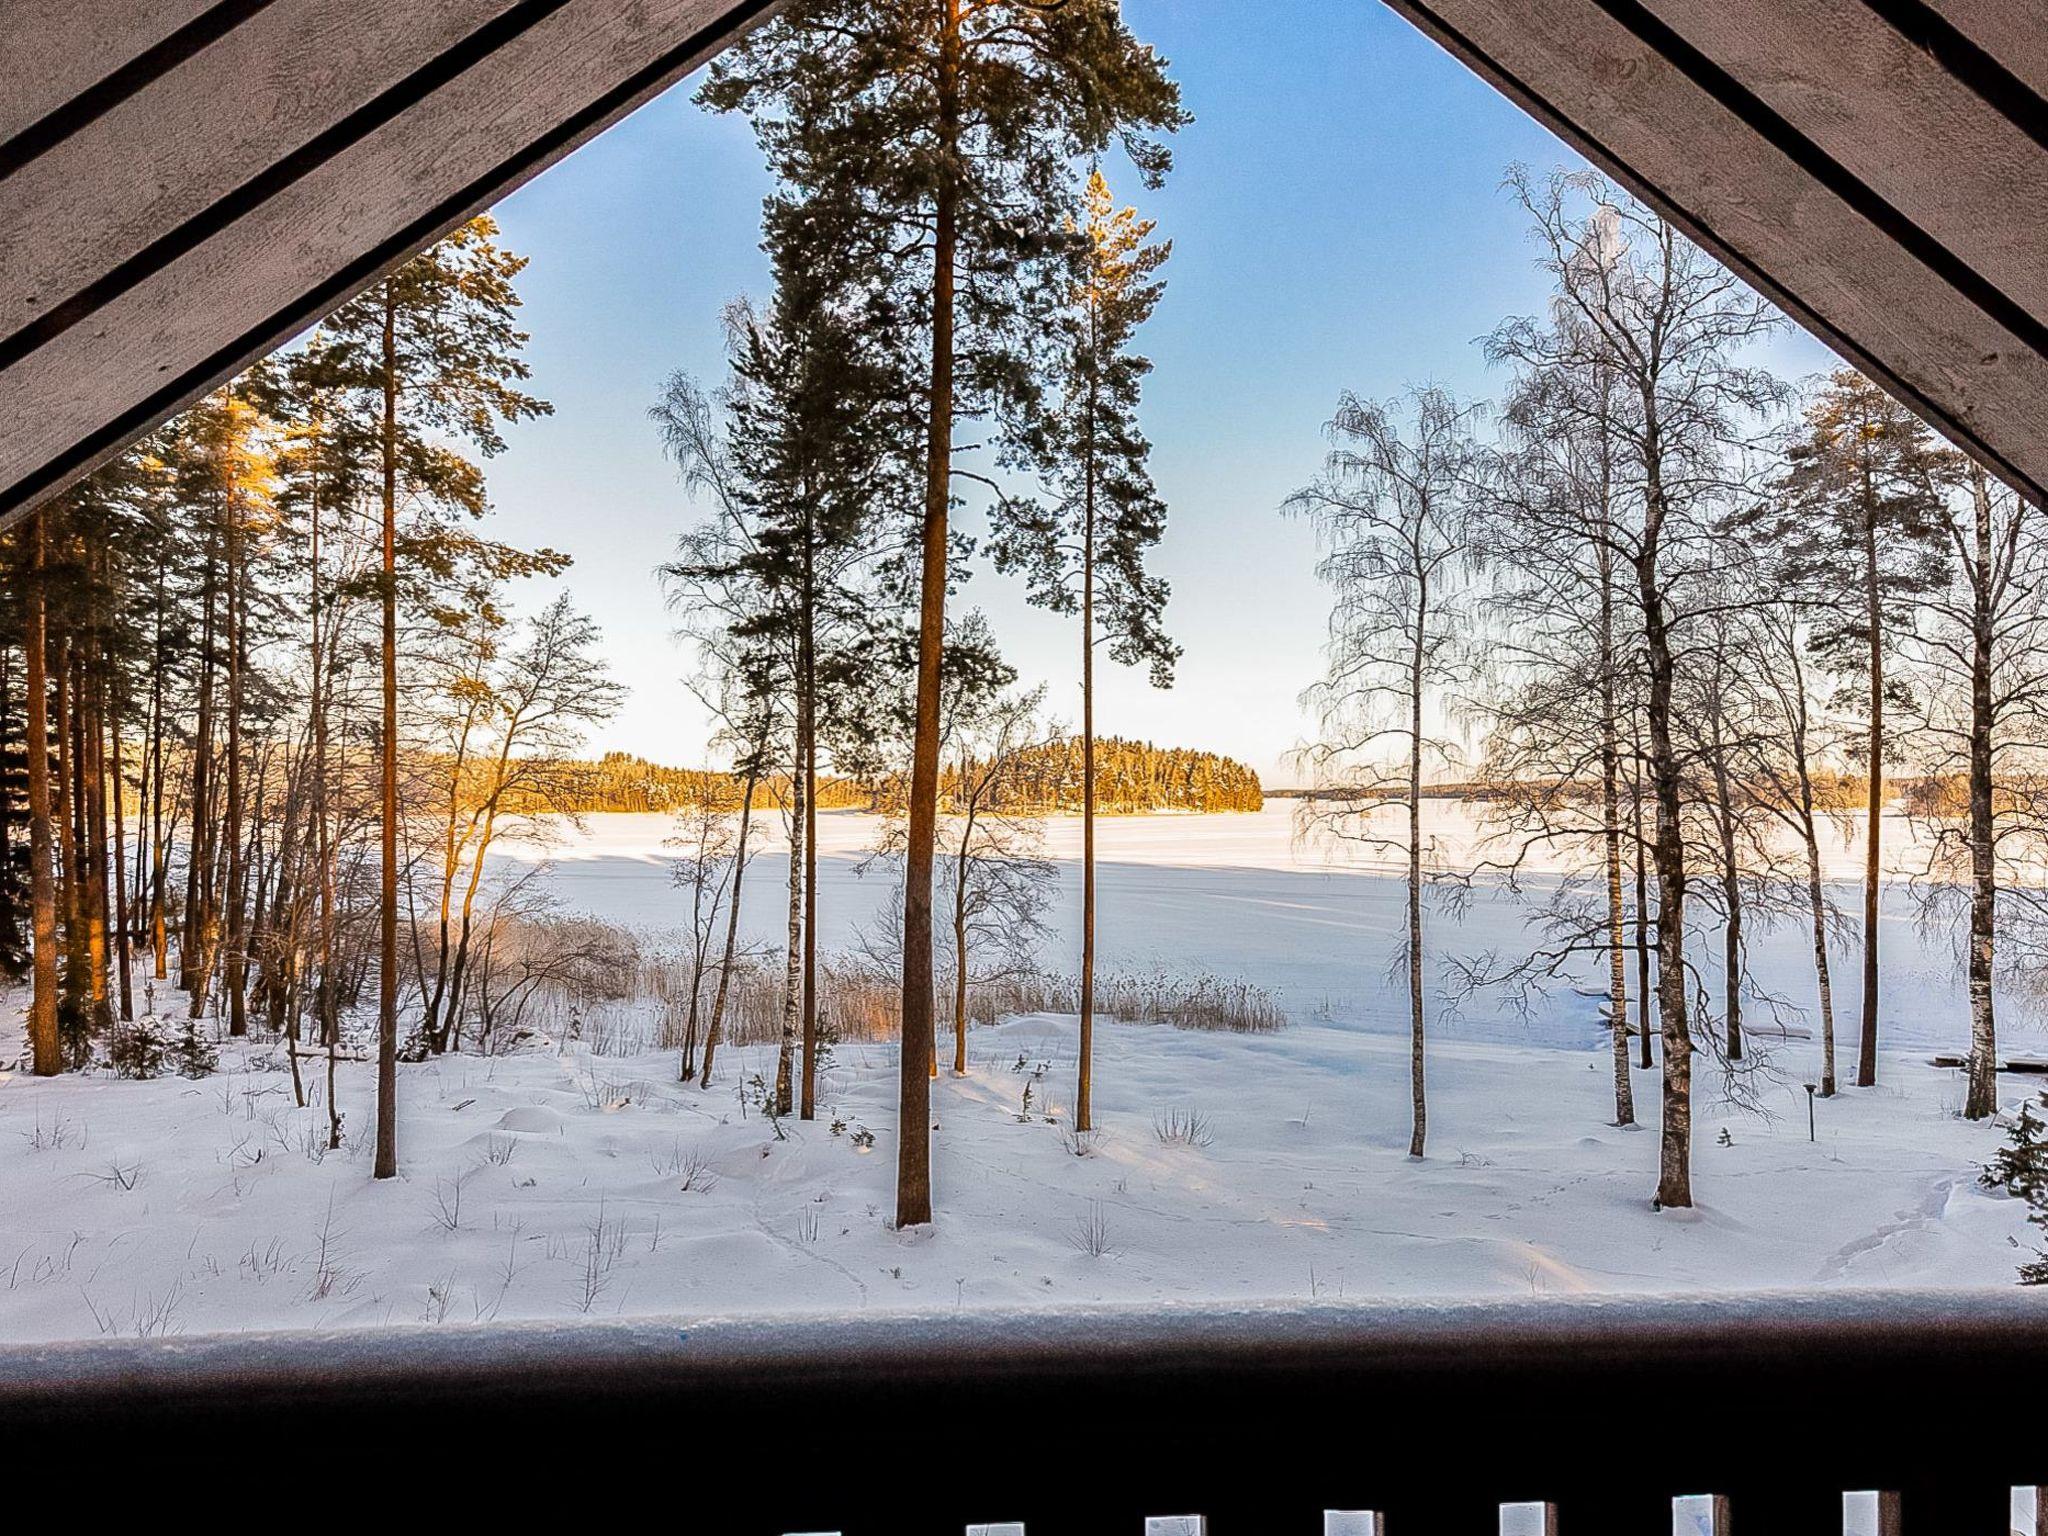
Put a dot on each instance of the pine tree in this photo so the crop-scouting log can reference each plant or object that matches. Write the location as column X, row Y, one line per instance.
column 932, row 140
column 802, row 450
column 428, row 354
column 1084, row 552
column 1857, row 525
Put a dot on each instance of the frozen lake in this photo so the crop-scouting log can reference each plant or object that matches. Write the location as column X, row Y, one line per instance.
column 1243, row 896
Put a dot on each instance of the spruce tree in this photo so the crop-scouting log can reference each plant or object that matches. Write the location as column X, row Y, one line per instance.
column 2021, row 1168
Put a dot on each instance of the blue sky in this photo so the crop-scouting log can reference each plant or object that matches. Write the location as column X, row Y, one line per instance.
column 1338, row 223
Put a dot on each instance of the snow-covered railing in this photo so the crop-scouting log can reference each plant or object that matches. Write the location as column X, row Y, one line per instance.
column 1403, row 1418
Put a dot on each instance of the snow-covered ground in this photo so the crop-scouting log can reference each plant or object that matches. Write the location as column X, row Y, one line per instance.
column 560, row 1181
column 596, row 1183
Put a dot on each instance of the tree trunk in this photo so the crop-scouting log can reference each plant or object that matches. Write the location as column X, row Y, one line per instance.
column 67, row 808
column 1817, row 904
column 120, row 839
column 913, row 1156
column 1417, row 1094
column 326, row 1012
column 1643, row 990
column 92, row 772
column 793, row 962
column 1981, row 1102
column 193, row 957
column 1084, row 1093
column 1674, row 1162
column 159, row 865
column 960, row 870
column 386, row 1165
column 732, row 934
column 807, row 723
column 1866, row 1063
column 46, row 1056
column 234, row 970
column 1731, row 897
column 1610, row 831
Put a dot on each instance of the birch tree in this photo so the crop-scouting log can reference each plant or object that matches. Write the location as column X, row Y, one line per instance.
column 1391, row 509
column 1646, row 334
column 1983, row 719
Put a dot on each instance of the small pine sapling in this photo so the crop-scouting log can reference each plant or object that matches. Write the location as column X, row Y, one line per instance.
column 2021, row 1167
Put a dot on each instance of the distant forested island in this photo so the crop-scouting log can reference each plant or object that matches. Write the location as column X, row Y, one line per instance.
column 1132, row 779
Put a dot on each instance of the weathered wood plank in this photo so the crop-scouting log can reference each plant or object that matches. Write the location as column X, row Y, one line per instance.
column 1890, row 114
column 2015, row 32
column 1630, row 110
column 257, row 283
column 292, row 72
column 58, row 49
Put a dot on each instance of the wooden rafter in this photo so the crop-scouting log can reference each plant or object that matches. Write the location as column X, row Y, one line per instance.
column 184, row 185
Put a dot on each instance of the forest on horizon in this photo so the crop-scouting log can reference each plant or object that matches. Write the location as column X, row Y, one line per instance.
column 1043, row 777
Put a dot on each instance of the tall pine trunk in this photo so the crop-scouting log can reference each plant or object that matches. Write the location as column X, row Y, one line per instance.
column 122, row 913
column 159, row 866
column 913, row 1155
column 1084, row 1107
column 960, row 874
column 46, row 1055
column 793, row 956
column 807, row 1098
column 193, row 956
column 234, row 969
column 68, row 808
column 386, row 1165
column 92, row 776
column 1866, row 1062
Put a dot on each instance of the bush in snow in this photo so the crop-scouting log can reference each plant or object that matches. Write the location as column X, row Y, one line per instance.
column 140, row 1048
column 1182, row 1127
column 193, row 1054
column 152, row 1046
